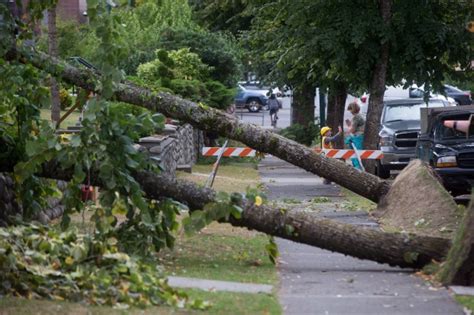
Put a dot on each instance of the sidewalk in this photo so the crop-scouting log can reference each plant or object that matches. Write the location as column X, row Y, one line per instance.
column 315, row 281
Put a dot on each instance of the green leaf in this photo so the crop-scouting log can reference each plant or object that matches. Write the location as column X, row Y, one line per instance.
column 236, row 211
column 75, row 141
column 272, row 250
column 194, row 222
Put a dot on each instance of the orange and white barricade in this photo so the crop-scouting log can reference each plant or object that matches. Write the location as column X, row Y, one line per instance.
column 228, row 152
column 349, row 154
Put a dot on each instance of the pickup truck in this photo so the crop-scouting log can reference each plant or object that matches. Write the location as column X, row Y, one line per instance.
column 449, row 147
column 400, row 124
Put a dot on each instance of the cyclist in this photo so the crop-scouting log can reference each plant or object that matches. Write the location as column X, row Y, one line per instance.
column 273, row 105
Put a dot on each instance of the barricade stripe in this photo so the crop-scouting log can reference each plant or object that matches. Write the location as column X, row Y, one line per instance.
column 237, row 151
column 246, row 152
column 365, row 154
column 210, row 151
column 339, row 154
column 228, row 152
column 376, row 155
column 348, row 155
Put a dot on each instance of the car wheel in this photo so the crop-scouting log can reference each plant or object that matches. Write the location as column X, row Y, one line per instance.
column 253, row 105
column 382, row 171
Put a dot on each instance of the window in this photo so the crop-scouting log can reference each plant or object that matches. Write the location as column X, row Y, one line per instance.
column 400, row 112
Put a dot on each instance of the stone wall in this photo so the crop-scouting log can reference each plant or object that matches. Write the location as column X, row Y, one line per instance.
column 177, row 148
column 8, row 205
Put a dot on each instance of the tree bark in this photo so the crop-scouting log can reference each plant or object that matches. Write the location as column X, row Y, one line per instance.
column 377, row 88
column 213, row 120
column 459, row 266
column 303, row 105
column 53, row 51
column 337, row 99
column 397, row 249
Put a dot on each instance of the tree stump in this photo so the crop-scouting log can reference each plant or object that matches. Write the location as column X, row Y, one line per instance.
column 418, row 203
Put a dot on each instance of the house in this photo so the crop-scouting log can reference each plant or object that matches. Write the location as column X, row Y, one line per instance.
column 68, row 10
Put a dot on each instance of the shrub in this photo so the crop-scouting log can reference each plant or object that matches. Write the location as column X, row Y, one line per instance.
column 145, row 122
column 303, row 134
column 65, row 99
column 190, row 89
column 219, row 96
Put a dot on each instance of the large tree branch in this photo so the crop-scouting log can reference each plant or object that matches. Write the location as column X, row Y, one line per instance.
column 209, row 119
column 404, row 250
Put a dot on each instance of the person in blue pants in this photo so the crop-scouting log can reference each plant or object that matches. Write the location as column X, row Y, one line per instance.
column 356, row 129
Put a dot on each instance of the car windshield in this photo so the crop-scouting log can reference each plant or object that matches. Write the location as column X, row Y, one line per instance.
column 400, row 112
column 254, row 87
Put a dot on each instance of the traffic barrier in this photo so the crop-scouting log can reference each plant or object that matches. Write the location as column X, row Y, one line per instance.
column 228, row 152
column 349, row 154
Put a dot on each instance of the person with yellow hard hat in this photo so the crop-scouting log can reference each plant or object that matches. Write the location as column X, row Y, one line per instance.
column 327, row 140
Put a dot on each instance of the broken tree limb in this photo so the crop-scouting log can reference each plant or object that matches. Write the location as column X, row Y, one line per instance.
column 209, row 119
column 396, row 249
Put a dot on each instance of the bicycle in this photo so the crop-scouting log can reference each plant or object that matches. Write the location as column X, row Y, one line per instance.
column 274, row 105
column 273, row 118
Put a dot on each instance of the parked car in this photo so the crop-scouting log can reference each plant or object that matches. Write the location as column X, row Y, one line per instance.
column 252, row 100
column 459, row 96
column 257, row 86
column 400, row 124
column 399, row 92
column 449, row 151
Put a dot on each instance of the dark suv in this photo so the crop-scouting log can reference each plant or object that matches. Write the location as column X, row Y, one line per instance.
column 400, row 124
column 448, row 150
column 461, row 97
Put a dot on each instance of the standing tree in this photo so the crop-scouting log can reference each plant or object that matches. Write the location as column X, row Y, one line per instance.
column 53, row 51
column 365, row 44
column 234, row 16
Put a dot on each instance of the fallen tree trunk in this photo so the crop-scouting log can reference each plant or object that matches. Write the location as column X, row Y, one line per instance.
column 209, row 119
column 396, row 249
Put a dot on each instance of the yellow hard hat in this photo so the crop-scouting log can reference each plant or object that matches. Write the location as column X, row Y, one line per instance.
column 324, row 130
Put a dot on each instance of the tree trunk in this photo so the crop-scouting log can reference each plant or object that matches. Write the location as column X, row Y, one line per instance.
column 53, row 51
column 209, row 119
column 377, row 89
column 459, row 266
column 303, row 105
column 337, row 96
column 331, row 108
column 398, row 249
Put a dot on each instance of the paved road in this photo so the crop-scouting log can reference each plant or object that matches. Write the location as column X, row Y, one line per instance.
column 263, row 117
column 315, row 281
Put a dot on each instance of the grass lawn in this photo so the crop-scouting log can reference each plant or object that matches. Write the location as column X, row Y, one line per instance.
column 221, row 252
column 223, row 303
column 70, row 120
column 467, row 301
column 231, row 177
